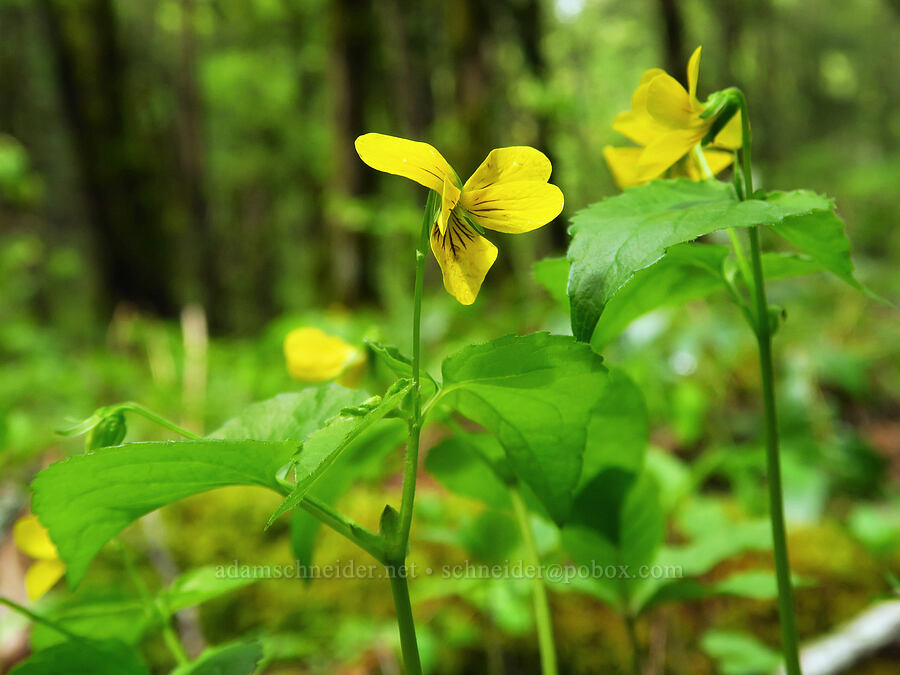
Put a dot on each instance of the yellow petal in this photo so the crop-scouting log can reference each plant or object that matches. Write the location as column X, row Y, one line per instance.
column 638, row 127
column 669, row 104
column 693, row 73
column 622, row 164
column 730, row 137
column 515, row 207
column 33, row 540
column 648, row 76
column 664, row 152
column 518, row 163
column 465, row 258
column 449, row 198
column 637, row 124
column 411, row 159
column 314, row 356
column 717, row 160
column 42, row 576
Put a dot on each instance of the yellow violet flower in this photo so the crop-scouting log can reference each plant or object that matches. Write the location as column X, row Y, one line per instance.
column 665, row 122
column 509, row 193
column 33, row 540
column 313, row 355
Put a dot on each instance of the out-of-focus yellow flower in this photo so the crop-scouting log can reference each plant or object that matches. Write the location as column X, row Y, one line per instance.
column 509, row 193
column 33, row 540
column 315, row 356
column 665, row 122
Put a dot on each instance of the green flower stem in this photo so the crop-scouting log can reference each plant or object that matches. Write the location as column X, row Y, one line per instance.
column 539, row 590
column 168, row 633
column 415, row 427
column 159, row 419
column 37, row 618
column 405, row 624
column 397, row 556
column 767, row 373
column 732, row 235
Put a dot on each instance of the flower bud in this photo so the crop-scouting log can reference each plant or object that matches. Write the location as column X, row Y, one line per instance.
column 109, row 431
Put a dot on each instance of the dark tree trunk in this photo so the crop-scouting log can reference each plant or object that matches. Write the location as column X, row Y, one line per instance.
column 353, row 74
column 471, row 23
column 675, row 55
column 126, row 216
column 193, row 169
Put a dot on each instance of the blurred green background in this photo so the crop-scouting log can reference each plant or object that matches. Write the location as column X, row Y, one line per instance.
column 179, row 189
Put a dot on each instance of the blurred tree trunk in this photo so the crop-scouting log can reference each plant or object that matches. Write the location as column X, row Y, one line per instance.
column 470, row 26
column 675, row 56
column 352, row 74
column 530, row 21
column 409, row 33
column 134, row 252
column 192, row 150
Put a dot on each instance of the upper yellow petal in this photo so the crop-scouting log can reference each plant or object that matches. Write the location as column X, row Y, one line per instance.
column 314, row 356
column 42, row 576
column 648, row 75
column 514, row 207
column 33, row 539
column 622, row 164
column 637, row 124
column 517, row 163
column 411, row 159
column 465, row 258
column 670, row 104
column 693, row 73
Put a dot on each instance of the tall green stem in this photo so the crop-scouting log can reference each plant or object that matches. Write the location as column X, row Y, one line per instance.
column 397, row 557
column 539, row 590
column 405, row 624
column 773, row 462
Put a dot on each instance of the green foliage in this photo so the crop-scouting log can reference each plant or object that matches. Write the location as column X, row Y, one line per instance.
column 739, row 653
column 291, row 416
column 536, row 394
column 235, row 659
column 361, row 460
column 615, row 239
column 322, row 449
column 198, row 586
column 617, row 526
column 115, row 616
column 821, row 235
column 100, row 657
column 472, row 465
column 86, row 500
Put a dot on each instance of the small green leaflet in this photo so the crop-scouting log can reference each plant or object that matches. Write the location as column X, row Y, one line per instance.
column 536, row 394
column 85, row 500
column 618, row 236
column 323, row 447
